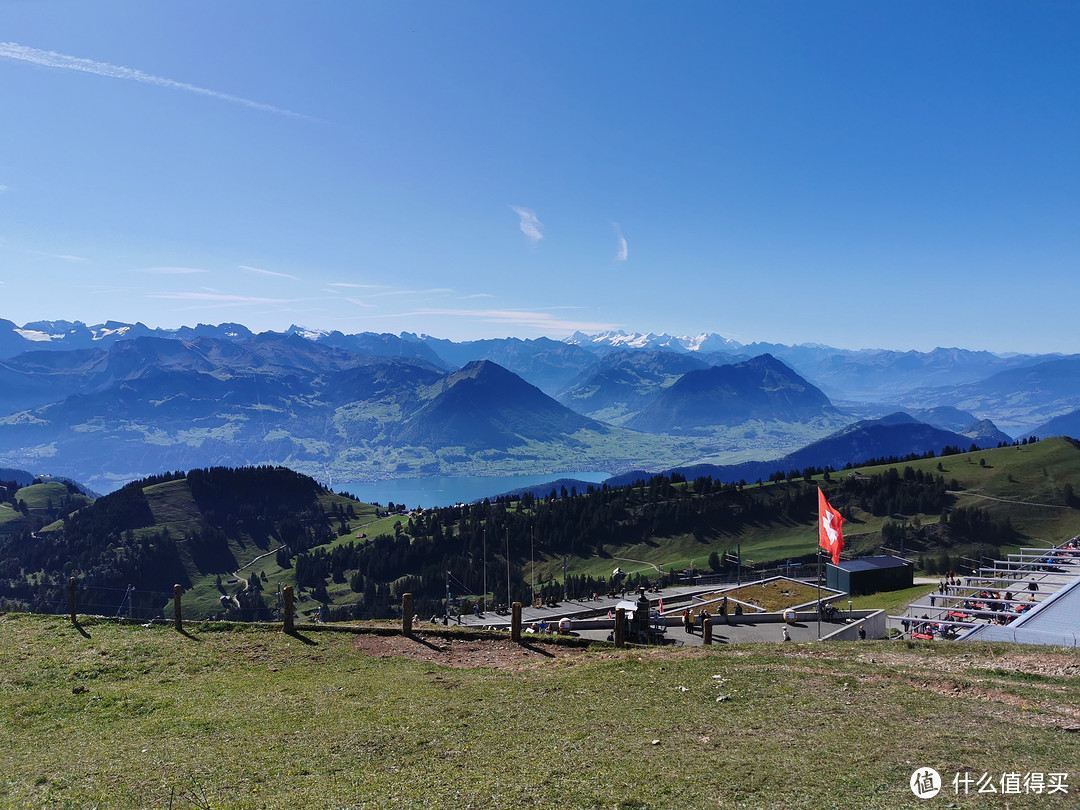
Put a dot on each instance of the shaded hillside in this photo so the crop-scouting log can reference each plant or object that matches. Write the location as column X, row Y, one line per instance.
column 624, row 382
column 945, row 417
column 1065, row 425
column 1016, row 399
column 985, row 433
column 879, row 374
column 547, row 364
column 189, row 529
column 761, row 388
column 485, row 407
column 898, row 435
column 28, row 505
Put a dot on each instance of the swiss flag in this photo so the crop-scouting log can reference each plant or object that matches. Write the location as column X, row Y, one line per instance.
column 830, row 537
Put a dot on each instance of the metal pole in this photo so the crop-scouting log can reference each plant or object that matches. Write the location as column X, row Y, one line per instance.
column 532, row 563
column 483, row 597
column 565, row 587
column 71, row 600
column 508, row 566
column 819, row 595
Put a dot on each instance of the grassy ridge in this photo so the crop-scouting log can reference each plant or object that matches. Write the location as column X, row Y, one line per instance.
column 175, row 509
column 1025, row 484
column 138, row 717
column 1002, row 481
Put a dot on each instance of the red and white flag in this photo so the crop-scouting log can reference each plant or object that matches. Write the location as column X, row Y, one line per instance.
column 830, row 537
column 661, row 605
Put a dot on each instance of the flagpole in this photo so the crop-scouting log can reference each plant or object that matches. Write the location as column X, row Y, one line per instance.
column 819, row 594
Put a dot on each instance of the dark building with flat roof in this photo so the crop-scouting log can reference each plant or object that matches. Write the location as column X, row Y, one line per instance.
column 870, row 575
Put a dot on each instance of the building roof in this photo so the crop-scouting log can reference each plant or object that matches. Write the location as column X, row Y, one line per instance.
column 872, row 563
column 1056, row 622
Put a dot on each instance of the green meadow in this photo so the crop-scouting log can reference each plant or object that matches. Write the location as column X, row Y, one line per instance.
column 113, row 715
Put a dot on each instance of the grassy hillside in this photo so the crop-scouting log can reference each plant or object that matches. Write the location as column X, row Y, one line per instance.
column 220, row 535
column 44, row 503
column 134, row 717
column 249, row 554
column 1025, row 484
column 216, row 532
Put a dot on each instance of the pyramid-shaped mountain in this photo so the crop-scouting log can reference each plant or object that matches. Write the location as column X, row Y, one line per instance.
column 627, row 381
column 760, row 388
column 485, row 407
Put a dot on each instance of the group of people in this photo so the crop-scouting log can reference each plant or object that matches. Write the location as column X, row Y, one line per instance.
column 690, row 621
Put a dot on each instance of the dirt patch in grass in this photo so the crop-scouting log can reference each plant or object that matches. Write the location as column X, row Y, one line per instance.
column 1042, row 676
column 463, row 653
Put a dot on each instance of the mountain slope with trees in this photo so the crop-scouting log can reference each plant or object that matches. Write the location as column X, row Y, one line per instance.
column 232, row 537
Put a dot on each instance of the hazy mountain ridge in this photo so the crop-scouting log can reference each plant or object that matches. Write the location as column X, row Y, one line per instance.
column 1017, row 398
column 760, row 388
column 896, row 435
column 129, row 400
column 152, row 404
column 625, row 381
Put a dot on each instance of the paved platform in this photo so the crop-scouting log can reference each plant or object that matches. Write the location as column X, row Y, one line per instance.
column 675, row 599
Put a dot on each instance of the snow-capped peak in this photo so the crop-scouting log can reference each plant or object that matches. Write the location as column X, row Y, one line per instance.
column 621, row 340
column 102, row 332
column 306, row 332
column 37, row 336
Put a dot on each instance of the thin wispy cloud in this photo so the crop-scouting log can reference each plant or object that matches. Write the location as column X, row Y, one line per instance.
column 623, row 251
column 67, row 257
column 171, row 271
column 36, row 56
column 219, row 298
column 529, row 223
column 270, row 273
column 434, row 291
column 358, row 302
column 351, row 286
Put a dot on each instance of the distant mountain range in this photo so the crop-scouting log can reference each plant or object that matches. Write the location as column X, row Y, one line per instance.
column 897, row 435
column 109, row 403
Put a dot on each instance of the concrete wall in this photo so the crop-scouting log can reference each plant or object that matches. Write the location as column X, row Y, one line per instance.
column 872, row 620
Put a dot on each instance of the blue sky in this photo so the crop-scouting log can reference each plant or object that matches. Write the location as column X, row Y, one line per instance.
column 850, row 173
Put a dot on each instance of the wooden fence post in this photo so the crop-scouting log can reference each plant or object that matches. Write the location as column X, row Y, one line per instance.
column 706, row 630
column 71, row 599
column 620, row 627
column 178, row 616
column 515, row 622
column 406, row 614
column 287, row 618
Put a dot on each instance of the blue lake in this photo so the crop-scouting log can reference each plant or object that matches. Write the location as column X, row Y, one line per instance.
column 447, row 490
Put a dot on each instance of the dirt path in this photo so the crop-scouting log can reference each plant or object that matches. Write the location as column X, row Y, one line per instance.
column 1005, row 500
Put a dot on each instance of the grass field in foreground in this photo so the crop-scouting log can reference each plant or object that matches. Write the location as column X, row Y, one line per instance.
column 129, row 716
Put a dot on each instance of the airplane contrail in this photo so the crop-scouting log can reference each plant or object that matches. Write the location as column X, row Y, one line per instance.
column 36, row 56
